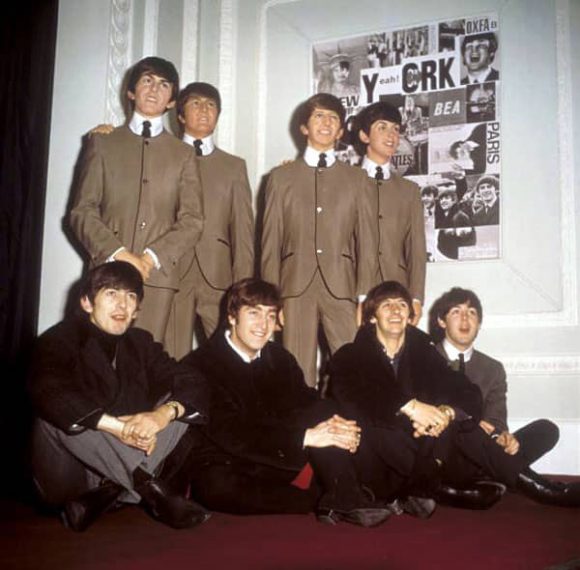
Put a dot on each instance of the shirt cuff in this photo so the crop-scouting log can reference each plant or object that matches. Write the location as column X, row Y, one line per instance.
column 112, row 256
column 154, row 257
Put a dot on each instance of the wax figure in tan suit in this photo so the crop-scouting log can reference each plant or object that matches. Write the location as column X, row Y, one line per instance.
column 225, row 251
column 397, row 206
column 139, row 196
column 455, row 320
column 317, row 242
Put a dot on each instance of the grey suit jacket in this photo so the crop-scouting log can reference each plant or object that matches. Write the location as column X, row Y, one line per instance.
column 490, row 376
column 400, row 227
column 318, row 219
column 139, row 194
column 225, row 251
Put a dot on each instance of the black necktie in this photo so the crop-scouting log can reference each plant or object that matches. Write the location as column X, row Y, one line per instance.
column 458, row 364
column 197, row 144
column 322, row 160
column 379, row 174
column 146, row 132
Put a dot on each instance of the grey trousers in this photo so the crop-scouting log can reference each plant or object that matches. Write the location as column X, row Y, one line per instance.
column 64, row 466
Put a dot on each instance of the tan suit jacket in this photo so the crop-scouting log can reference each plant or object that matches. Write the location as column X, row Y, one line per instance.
column 400, row 229
column 318, row 219
column 225, row 251
column 139, row 194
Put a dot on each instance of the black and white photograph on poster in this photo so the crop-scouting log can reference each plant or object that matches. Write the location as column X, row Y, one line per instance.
column 443, row 77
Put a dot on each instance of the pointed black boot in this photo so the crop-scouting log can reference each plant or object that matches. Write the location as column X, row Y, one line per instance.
column 548, row 492
column 480, row 496
column 82, row 512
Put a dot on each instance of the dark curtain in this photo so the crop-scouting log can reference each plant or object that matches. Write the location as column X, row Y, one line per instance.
column 27, row 39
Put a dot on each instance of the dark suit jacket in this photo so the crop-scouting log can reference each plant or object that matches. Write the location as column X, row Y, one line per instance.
column 489, row 218
column 319, row 219
column 490, row 377
column 139, row 194
column 72, row 381
column 363, row 381
column 259, row 411
column 398, row 221
column 225, row 250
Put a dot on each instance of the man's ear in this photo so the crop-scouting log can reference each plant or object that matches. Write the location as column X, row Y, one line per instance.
column 231, row 320
column 339, row 135
column 131, row 95
column 86, row 305
column 304, row 130
column 441, row 323
column 171, row 104
column 373, row 320
column 181, row 119
column 364, row 137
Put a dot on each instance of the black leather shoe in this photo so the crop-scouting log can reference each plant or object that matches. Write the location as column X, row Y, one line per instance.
column 548, row 492
column 367, row 517
column 83, row 511
column 173, row 510
column 482, row 495
column 419, row 507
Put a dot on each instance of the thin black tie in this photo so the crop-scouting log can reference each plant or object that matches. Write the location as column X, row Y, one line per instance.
column 322, row 160
column 461, row 363
column 379, row 173
column 146, row 132
column 197, row 144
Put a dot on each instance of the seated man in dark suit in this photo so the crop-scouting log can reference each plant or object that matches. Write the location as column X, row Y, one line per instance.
column 455, row 320
column 266, row 424
column 392, row 379
column 111, row 405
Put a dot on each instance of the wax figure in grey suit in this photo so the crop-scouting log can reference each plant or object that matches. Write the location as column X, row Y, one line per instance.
column 455, row 321
column 397, row 206
column 317, row 241
column 266, row 424
column 139, row 196
column 110, row 405
column 225, row 251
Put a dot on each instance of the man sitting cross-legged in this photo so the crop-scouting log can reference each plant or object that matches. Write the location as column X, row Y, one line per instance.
column 455, row 321
column 266, row 424
column 111, row 405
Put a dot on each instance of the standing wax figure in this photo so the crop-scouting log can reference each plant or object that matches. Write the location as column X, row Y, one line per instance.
column 455, row 320
column 318, row 241
column 225, row 251
column 139, row 197
column 110, row 405
column 397, row 206
column 392, row 378
column 266, row 424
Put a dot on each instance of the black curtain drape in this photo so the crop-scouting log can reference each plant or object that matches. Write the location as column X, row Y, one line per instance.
column 27, row 53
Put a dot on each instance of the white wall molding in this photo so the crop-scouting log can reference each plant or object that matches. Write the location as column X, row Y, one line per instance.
column 227, row 71
column 190, row 42
column 120, row 48
column 151, row 28
column 567, row 365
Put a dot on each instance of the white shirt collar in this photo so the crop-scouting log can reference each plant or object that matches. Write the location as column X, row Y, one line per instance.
column 371, row 167
column 136, row 124
column 480, row 76
column 453, row 353
column 312, row 156
column 207, row 144
column 239, row 352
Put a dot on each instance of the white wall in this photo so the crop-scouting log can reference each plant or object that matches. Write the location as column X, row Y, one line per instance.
column 258, row 52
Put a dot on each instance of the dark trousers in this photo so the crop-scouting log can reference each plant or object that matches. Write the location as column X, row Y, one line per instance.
column 536, row 439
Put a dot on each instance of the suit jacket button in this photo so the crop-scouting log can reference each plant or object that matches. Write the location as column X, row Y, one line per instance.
column 143, row 225
column 318, row 251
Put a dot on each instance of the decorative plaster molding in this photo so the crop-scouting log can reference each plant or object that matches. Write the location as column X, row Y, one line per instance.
column 189, row 41
column 568, row 365
column 119, row 57
column 227, row 71
column 150, row 27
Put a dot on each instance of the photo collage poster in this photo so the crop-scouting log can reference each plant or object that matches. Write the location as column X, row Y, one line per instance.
column 444, row 78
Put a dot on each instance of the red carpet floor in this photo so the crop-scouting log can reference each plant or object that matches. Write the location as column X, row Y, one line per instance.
column 515, row 534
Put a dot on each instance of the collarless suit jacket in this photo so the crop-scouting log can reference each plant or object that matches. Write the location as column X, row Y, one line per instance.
column 400, row 228
column 225, row 250
column 319, row 219
column 138, row 193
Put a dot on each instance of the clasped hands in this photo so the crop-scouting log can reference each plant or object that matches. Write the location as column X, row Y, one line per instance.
column 427, row 420
column 335, row 431
column 143, row 263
